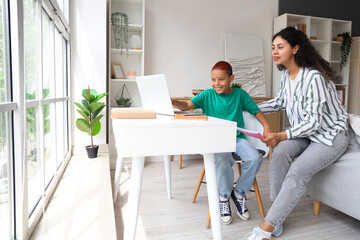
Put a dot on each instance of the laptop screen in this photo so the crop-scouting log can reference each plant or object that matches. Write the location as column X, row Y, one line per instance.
column 154, row 94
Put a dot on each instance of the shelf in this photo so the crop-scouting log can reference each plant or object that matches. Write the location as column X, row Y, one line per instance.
column 130, row 51
column 315, row 41
column 340, row 84
column 135, row 27
column 122, row 80
column 128, row 1
column 336, row 42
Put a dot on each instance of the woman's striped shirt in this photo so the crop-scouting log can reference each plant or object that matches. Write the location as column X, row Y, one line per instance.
column 314, row 110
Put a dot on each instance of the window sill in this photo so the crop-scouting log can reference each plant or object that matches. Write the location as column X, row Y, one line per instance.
column 82, row 204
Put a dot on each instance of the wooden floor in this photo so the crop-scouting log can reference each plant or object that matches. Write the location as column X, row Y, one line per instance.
column 180, row 219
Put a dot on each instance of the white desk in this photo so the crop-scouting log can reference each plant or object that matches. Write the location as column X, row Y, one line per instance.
column 138, row 138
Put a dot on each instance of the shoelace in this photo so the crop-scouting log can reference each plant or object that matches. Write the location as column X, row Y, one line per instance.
column 225, row 208
column 242, row 204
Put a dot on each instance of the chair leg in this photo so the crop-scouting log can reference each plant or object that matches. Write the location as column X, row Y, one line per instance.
column 208, row 221
column 171, row 157
column 199, row 184
column 258, row 198
column 316, row 207
column 180, row 162
column 239, row 168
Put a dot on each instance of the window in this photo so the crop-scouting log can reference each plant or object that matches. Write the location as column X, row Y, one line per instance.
column 6, row 108
column 34, row 109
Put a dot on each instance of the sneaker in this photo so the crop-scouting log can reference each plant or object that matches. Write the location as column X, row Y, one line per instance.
column 256, row 235
column 242, row 210
column 277, row 230
column 225, row 212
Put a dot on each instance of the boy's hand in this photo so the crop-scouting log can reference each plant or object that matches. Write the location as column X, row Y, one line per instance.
column 272, row 139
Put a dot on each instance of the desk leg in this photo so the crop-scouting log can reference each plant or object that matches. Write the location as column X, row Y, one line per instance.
column 168, row 175
column 119, row 162
column 134, row 197
column 213, row 195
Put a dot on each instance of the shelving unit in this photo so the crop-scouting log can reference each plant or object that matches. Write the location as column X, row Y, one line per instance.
column 321, row 32
column 354, row 84
column 130, row 60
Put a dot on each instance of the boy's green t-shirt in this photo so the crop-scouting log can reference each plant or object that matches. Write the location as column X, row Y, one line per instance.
column 226, row 106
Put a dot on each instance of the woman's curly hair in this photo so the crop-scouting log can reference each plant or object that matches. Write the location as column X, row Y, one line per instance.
column 307, row 56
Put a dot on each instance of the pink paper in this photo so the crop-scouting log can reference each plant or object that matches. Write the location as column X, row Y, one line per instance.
column 251, row 133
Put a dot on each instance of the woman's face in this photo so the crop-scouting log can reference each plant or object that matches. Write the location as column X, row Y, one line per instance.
column 220, row 81
column 282, row 52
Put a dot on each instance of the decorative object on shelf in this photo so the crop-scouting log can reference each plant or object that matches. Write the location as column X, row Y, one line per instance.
column 120, row 25
column 196, row 91
column 123, row 98
column 117, row 71
column 339, row 79
column 301, row 27
column 135, row 42
column 90, row 121
column 131, row 74
column 341, row 92
column 235, row 85
column 345, row 48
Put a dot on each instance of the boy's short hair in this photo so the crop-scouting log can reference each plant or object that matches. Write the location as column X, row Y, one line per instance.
column 223, row 65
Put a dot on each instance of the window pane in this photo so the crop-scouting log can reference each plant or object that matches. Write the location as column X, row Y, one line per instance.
column 59, row 65
column 48, row 56
column 50, row 143
column 2, row 56
column 31, row 49
column 4, row 180
column 33, row 158
column 60, row 142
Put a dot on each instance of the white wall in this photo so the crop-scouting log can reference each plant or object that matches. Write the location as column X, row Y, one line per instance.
column 184, row 39
column 88, row 57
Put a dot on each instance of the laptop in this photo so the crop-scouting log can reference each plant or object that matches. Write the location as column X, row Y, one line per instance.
column 154, row 95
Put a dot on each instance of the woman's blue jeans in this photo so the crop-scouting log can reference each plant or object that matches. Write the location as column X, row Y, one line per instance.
column 250, row 164
column 294, row 162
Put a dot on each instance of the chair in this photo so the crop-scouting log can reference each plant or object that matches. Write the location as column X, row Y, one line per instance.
column 251, row 123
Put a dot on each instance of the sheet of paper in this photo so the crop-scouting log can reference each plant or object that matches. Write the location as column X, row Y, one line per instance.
column 251, row 133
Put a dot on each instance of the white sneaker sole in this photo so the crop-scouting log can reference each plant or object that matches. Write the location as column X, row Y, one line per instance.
column 226, row 223
column 242, row 217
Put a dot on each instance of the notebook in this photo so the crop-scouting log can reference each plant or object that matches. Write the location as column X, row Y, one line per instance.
column 154, row 95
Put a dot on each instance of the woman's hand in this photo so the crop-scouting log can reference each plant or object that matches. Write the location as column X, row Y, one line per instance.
column 272, row 139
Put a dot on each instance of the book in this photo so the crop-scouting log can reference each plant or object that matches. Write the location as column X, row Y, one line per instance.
column 251, row 133
column 132, row 114
column 197, row 117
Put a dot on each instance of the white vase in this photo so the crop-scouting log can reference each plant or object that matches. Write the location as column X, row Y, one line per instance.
column 135, row 42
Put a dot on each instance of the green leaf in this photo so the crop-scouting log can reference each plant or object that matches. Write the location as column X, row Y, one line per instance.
column 96, row 128
column 46, row 126
column 30, row 96
column 89, row 97
column 85, row 110
column 92, row 91
column 95, row 120
column 46, row 92
column 95, row 113
column 82, row 125
column 83, row 114
column 85, row 103
column 100, row 96
column 94, row 106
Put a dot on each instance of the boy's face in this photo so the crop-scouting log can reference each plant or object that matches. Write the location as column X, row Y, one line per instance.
column 220, row 81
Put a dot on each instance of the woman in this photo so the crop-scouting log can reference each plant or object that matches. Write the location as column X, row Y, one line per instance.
column 317, row 136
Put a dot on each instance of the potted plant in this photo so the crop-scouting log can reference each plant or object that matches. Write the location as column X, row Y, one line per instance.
column 90, row 121
column 345, row 48
column 120, row 25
